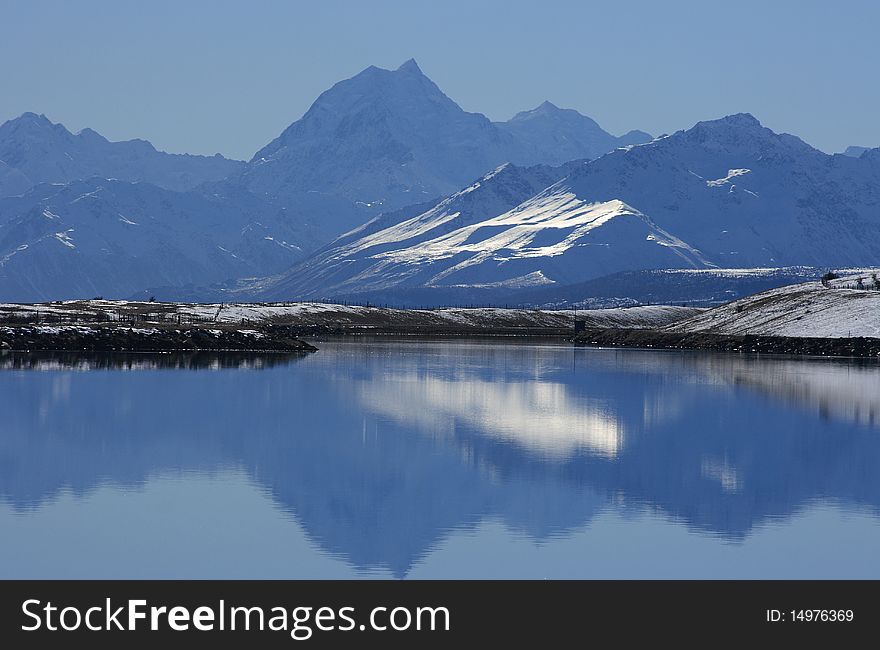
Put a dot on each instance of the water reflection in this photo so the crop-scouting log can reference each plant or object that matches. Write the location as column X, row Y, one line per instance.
column 540, row 416
column 178, row 360
column 383, row 450
column 847, row 390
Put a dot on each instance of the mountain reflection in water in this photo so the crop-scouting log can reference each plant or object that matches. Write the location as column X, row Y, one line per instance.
column 383, row 451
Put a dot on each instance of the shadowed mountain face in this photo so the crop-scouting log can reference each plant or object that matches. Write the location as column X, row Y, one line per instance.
column 35, row 150
column 81, row 216
column 383, row 137
column 388, row 138
column 384, row 451
column 111, row 238
column 745, row 196
column 556, row 135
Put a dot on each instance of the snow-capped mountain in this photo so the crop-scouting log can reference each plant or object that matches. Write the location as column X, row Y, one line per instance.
column 746, row 196
column 383, row 137
column 513, row 228
column 725, row 193
column 556, row 135
column 113, row 238
column 389, row 138
column 39, row 151
column 366, row 169
column 348, row 262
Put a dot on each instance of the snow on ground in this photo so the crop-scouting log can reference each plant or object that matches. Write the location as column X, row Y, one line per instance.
column 60, row 329
column 312, row 313
column 808, row 272
column 646, row 316
column 809, row 310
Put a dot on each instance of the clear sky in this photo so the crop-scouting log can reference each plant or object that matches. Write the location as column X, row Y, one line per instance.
column 206, row 76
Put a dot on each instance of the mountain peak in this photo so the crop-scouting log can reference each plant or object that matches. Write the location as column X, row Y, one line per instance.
column 43, row 151
column 564, row 134
column 547, row 109
column 634, row 137
column 34, row 117
column 743, row 132
column 729, row 127
column 741, row 119
column 31, row 119
column 91, row 135
column 410, row 66
column 735, row 122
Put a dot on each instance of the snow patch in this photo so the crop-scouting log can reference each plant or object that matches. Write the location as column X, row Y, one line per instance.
column 65, row 239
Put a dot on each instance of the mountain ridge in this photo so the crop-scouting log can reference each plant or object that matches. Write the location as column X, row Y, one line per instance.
column 388, row 138
column 113, row 238
column 43, row 151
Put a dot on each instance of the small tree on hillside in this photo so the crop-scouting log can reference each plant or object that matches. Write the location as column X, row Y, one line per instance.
column 828, row 277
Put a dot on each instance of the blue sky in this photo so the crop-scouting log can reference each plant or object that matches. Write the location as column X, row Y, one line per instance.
column 206, row 76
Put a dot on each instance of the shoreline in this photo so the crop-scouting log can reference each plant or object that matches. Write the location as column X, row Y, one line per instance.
column 861, row 347
column 91, row 337
column 125, row 326
column 113, row 338
column 101, row 325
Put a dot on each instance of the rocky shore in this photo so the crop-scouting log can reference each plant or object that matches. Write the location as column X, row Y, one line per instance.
column 116, row 338
column 810, row 346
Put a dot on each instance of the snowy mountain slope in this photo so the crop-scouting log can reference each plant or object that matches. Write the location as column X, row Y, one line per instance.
column 112, row 238
column 501, row 232
column 388, row 138
column 556, row 229
column 746, row 196
column 43, row 152
column 352, row 255
column 855, row 151
column 556, row 135
column 811, row 309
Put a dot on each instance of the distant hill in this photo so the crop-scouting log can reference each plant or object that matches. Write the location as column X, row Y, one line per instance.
column 556, row 135
column 840, row 308
column 111, row 238
column 35, row 150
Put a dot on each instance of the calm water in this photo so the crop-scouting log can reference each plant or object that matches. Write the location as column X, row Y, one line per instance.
column 435, row 460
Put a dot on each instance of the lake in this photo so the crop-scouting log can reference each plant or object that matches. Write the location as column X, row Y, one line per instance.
column 439, row 459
